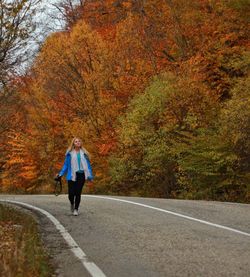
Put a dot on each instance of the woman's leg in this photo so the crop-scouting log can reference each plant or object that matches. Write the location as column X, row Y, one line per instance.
column 80, row 179
column 71, row 192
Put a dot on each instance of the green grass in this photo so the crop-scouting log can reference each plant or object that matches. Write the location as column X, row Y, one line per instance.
column 21, row 250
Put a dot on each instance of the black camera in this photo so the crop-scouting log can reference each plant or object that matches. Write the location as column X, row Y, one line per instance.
column 58, row 178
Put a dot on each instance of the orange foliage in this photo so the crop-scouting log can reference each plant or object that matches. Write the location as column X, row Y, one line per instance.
column 84, row 78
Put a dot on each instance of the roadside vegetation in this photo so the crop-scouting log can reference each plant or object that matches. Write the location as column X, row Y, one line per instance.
column 159, row 91
column 21, row 249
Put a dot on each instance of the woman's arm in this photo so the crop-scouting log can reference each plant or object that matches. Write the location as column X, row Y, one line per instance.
column 90, row 177
column 65, row 167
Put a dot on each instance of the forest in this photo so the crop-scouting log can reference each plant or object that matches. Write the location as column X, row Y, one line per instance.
column 158, row 90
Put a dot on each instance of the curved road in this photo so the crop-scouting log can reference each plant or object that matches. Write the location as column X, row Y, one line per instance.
column 158, row 237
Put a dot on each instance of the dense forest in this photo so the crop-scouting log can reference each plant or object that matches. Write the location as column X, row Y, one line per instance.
column 158, row 90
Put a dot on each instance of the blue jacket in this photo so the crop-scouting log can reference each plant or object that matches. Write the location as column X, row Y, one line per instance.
column 67, row 167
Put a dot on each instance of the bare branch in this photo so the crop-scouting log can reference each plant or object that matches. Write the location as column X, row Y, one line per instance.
column 16, row 26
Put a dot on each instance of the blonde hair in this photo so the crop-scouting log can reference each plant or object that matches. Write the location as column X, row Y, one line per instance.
column 71, row 146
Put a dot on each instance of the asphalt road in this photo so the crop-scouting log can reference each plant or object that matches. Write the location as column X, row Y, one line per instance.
column 123, row 239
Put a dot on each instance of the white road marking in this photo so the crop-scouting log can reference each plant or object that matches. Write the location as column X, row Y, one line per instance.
column 173, row 213
column 91, row 267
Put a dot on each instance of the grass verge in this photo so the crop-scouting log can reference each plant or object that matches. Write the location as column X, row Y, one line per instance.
column 21, row 249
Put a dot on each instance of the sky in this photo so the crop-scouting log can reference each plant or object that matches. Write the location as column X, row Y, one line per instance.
column 47, row 20
column 46, row 23
column 48, row 13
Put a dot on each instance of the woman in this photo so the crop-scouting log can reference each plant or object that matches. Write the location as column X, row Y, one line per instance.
column 78, row 169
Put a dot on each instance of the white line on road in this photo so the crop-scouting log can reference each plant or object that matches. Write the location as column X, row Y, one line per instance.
column 91, row 267
column 173, row 213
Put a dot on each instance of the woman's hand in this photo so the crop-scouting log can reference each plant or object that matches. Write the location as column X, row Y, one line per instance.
column 58, row 177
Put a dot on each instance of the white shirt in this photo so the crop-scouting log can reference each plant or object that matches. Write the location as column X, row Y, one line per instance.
column 75, row 166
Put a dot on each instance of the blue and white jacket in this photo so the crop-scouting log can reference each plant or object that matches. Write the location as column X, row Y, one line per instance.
column 67, row 167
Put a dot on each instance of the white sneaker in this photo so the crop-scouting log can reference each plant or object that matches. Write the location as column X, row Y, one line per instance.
column 75, row 212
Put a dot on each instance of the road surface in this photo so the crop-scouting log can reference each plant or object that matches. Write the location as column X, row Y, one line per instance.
column 156, row 237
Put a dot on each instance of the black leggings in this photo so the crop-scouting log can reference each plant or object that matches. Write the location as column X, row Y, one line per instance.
column 75, row 190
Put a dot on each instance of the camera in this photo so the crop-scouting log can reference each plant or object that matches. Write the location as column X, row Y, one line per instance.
column 57, row 178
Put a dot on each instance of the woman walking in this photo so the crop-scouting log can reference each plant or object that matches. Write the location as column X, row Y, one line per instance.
column 77, row 169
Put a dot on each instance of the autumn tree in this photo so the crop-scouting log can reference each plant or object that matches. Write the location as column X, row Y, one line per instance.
column 69, row 12
column 214, row 162
column 67, row 94
column 16, row 27
column 157, row 89
column 155, row 121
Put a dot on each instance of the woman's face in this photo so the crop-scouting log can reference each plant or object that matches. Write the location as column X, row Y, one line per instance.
column 77, row 143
